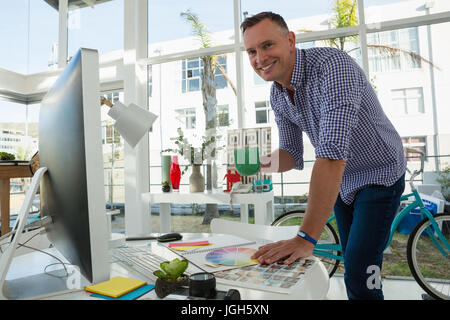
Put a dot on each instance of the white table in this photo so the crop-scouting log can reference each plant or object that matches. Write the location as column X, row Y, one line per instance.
column 315, row 285
column 262, row 201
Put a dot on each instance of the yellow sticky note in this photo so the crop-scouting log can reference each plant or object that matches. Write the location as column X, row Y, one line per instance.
column 115, row 287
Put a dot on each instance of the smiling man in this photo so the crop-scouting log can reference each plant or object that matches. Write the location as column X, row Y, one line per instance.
column 359, row 168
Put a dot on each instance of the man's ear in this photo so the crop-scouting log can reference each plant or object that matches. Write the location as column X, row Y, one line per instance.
column 291, row 40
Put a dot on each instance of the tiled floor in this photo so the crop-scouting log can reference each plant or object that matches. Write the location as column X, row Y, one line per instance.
column 393, row 289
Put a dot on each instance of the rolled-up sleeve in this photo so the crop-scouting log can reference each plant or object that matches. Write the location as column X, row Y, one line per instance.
column 342, row 84
column 291, row 139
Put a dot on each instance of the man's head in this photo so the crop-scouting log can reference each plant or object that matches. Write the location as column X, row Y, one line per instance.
column 270, row 46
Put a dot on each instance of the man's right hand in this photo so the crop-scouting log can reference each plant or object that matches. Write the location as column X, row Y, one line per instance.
column 278, row 161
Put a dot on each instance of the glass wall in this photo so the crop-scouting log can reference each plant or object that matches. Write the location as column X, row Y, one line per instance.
column 19, row 137
column 30, row 30
column 177, row 26
column 14, row 30
column 99, row 27
column 385, row 10
column 113, row 156
column 304, row 16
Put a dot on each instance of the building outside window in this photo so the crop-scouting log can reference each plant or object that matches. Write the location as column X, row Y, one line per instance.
column 418, row 143
column 407, row 101
column 380, row 42
column 186, row 117
column 192, row 72
column 262, row 112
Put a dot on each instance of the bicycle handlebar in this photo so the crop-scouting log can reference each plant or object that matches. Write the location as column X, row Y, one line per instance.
column 422, row 162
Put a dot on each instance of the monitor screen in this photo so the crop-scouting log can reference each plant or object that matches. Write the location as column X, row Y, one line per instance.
column 72, row 191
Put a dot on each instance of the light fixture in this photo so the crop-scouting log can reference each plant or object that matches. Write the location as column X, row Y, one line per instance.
column 132, row 122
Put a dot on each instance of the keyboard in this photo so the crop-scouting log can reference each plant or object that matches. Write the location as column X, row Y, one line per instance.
column 140, row 259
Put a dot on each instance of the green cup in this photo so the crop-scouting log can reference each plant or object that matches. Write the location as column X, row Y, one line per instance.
column 246, row 161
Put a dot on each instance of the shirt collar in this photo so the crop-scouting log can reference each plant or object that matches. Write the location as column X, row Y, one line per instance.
column 297, row 74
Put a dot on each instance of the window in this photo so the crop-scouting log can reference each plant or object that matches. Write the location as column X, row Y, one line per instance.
column 192, row 72
column 408, row 101
column 418, row 143
column 150, row 80
column 99, row 27
column 384, row 53
column 223, row 116
column 262, row 112
column 186, row 117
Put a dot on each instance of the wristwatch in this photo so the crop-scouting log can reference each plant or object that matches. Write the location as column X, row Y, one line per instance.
column 307, row 237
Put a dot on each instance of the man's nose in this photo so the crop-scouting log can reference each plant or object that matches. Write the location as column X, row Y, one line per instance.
column 260, row 57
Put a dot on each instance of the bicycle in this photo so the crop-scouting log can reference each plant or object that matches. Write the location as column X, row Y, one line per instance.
column 428, row 246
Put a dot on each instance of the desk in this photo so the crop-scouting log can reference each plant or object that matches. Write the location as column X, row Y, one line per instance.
column 263, row 203
column 8, row 170
column 315, row 285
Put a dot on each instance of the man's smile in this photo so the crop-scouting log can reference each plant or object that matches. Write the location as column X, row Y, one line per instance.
column 267, row 67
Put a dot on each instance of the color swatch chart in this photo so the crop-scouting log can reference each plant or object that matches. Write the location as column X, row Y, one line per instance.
column 232, row 256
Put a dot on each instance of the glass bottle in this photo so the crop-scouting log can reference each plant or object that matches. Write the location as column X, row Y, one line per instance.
column 175, row 174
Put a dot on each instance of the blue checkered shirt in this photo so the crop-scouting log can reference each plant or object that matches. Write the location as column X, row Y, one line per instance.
column 339, row 111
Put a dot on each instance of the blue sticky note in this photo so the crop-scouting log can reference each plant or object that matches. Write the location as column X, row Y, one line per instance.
column 132, row 295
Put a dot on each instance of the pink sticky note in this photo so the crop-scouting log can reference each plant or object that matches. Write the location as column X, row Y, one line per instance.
column 188, row 244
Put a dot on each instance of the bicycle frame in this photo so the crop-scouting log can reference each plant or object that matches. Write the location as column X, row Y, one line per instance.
column 323, row 249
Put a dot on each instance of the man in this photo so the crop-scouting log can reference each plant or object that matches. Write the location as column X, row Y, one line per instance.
column 359, row 168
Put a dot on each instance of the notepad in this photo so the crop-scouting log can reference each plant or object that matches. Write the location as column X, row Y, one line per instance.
column 132, row 295
column 115, row 287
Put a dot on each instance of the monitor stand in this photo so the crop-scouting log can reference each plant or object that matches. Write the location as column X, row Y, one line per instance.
column 36, row 284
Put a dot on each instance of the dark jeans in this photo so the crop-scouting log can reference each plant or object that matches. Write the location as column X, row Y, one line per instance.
column 364, row 228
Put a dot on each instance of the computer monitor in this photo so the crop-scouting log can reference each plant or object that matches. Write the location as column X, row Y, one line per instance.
column 72, row 191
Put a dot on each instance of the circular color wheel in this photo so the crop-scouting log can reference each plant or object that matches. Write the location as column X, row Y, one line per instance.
column 232, row 256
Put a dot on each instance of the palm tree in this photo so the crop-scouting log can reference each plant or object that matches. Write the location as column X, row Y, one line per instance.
column 346, row 15
column 210, row 64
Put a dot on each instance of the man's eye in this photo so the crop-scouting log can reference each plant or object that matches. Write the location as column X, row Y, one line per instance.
column 251, row 53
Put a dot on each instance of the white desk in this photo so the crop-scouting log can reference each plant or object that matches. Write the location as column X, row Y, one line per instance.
column 315, row 286
column 263, row 203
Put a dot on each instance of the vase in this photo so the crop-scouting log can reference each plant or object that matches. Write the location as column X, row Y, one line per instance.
column 196, row 180
column 175, row 174
column 166, row 162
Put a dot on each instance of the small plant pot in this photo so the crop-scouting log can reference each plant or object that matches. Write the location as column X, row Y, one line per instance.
column 163, row 287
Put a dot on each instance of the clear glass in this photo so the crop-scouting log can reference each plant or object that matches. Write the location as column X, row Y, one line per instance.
column 113, row 156
column 14, row 31
column 385, row 10
column 170, row 32
column 303, row 16
column 409, row 77
column 19, row 132
column 175, row 109
column 106, row 19
column 43, row 45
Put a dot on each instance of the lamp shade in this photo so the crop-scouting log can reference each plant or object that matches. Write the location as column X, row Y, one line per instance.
column 132, row 122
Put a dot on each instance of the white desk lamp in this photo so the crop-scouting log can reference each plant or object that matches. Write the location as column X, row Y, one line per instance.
column 132, row 122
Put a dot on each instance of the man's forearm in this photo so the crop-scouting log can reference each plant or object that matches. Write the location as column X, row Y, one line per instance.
column 279, row 161
column 326, row 179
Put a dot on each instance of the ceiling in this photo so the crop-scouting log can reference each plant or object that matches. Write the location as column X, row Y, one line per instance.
column 75, row 3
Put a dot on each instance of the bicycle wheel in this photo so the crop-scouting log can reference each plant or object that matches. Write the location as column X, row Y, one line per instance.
column 429, row 266
column 328, row 236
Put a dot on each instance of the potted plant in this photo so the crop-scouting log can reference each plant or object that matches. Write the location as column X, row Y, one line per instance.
column 170, row 277
column 195, row 156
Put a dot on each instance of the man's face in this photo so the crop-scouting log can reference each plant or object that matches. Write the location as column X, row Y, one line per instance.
column 271, row 51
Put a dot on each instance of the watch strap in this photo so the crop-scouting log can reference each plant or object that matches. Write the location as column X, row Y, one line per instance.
column 307, row 237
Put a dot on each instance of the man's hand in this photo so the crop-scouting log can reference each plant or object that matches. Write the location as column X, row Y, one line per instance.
column 278, row 161
column 287, row 250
